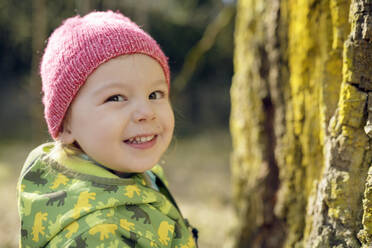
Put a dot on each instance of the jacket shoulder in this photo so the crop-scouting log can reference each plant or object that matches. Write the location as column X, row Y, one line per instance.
column 159, row 172
column 35, row 154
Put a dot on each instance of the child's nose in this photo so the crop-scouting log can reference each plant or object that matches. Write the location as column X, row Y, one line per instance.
column 144, row 112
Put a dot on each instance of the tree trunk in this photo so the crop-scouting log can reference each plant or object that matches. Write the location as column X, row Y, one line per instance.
column 301, row 123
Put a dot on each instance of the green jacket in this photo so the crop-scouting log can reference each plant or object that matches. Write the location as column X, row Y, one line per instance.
column 68, row 201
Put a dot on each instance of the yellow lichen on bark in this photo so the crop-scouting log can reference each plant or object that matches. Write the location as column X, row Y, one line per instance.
column 351, row 106
column 245, row 102
column 338, row 31
column 365, row 235
column 348, row 155
column 250, row 100
column 309, row 108
column 343, row 200
column 340, row 24
column 246, row 115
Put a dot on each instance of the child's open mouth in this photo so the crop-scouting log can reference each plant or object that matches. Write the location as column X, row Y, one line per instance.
column 141, row 141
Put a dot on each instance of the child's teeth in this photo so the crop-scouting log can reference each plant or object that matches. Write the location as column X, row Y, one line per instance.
column 141, row 139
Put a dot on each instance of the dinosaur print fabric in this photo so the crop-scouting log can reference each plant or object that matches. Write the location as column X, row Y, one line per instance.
column 67, row 201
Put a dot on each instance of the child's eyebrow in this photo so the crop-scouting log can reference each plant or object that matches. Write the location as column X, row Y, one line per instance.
column 111, row 85
column 159, row 82
column 117, row 85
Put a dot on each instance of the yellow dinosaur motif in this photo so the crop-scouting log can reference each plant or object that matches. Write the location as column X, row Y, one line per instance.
column 131, row 189
column 72, row 228
column 164, row 229
column 61, row 179
column 129, row 226
column 104, row 230
column 38, row 227
column 153, row 244
column 83, row 203
column 190, row 243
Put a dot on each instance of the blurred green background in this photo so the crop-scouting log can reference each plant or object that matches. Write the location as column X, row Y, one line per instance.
column 196, row 35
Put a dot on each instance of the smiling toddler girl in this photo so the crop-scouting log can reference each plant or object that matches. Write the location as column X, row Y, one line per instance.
column 106, row 102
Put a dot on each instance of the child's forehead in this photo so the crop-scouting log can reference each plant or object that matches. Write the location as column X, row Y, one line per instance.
column 128, row 70
column 129, row 66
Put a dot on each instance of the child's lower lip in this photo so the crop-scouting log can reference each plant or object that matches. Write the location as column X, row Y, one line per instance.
column 144, row 145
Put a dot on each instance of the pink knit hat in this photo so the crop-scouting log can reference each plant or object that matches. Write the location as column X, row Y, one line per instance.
column 78, row 47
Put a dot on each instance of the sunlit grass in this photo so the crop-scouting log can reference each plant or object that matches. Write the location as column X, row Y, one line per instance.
column 12, row 156
column 199, row 177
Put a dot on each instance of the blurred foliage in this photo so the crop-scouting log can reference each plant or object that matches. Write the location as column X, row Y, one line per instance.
column 177, row 25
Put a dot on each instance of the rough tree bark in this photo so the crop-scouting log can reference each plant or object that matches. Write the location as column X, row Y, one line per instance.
column 301, row 123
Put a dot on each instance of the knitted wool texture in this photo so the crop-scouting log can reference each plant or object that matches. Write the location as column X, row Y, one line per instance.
column 78, row 47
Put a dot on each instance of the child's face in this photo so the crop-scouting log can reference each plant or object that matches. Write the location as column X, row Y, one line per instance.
column 122, row 116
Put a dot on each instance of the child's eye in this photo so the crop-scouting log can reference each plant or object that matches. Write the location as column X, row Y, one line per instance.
column 156, row 95
column 116, row 98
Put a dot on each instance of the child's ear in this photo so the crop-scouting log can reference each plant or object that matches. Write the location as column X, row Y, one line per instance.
column 65, row 135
